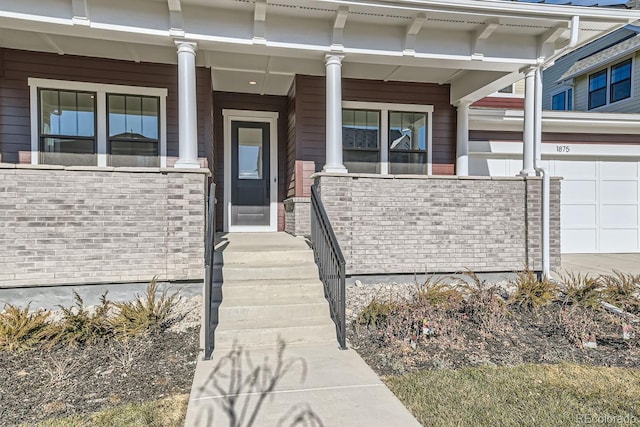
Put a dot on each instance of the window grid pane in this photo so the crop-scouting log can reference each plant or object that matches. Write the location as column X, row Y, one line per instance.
column 133, row 123
column 361, row 140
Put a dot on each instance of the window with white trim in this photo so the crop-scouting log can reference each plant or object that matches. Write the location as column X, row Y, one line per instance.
column 386, row 138
column 610, row 85
column 562, row 101
column 67, row 127
column 91, row 124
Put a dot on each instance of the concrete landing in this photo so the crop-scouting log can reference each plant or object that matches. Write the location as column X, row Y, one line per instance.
column 325, row 386
column 596, row 264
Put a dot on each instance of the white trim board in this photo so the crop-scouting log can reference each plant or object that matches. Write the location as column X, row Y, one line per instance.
column 514, row 150
column 101, row 91
column 251, row 116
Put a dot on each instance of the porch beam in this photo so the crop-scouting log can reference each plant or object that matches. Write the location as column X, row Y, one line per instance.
column 480, row 38
column 260, row 22
column 462, row 146
column 337, row 41
column 187, row 106
column 333, row 64
column 413, row 30
column 176, row 21
column 529, row 133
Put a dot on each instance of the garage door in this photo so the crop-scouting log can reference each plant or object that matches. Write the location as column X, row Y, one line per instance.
column 600, row 201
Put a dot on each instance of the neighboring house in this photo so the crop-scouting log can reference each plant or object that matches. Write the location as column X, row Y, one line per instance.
column 602, row 76
column 590, row 138
column 113, row 115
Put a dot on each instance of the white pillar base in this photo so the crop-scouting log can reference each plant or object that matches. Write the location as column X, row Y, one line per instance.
column 334, row 169
column 187, row 164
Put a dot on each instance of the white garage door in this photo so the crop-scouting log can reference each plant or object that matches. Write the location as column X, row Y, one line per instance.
column 600, row 201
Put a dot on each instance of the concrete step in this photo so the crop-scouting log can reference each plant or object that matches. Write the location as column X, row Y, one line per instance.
column 234, row 273
column 264, row 258
column 271, row 291
column 260, row 314
column 276, row 299
column 269, row 336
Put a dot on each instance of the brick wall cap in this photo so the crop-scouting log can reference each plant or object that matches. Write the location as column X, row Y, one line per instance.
column 7, row 165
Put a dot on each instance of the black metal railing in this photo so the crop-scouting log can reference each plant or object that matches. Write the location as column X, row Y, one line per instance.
column 208, row 265
column 330, row 261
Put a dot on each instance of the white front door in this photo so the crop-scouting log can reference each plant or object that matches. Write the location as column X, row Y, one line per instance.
column 250, row 171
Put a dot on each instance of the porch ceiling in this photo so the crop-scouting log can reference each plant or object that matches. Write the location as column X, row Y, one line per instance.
column 267, row 42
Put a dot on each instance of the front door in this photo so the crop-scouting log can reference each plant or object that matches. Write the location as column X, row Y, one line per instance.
column 250, row 174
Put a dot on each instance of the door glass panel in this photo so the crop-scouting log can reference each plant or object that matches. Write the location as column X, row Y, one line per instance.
column 249, row 153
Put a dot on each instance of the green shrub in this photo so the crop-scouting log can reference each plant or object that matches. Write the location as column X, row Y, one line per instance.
column 79, row 325
column 376, row 313
column 581, row 290
column 532, row 293
column 20, row 329
column 146, row 314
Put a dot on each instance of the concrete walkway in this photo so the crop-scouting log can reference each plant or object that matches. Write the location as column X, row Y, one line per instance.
column 269, row 291
column 324, row 386
column 596, row 264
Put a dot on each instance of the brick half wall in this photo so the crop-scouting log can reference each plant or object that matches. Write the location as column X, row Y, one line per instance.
column 439, row 224
column 100, row 225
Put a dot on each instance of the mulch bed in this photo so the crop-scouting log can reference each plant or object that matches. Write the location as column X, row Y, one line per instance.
column 552, row 334
column 40, row 384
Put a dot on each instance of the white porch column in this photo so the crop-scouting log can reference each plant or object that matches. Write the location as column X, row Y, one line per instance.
column 538, row 124
column 187, row 107
column 462, row 147
column 529, row 123
column 334, row 114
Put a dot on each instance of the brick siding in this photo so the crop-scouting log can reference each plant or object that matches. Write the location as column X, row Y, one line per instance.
column 90, row 225
column 443, row 224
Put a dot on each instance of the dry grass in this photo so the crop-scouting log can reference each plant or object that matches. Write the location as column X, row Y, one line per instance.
column 526, row 395
column 169, row 412
column 581, row 290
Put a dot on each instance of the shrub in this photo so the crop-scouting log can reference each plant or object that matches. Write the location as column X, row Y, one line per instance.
column 581, row 290
column 376, row 313
column 484, row 304
column 438, row 294
column 146, row 314
column 79, row 325
column 532, row 293
column 622, row 290
column 20, row 329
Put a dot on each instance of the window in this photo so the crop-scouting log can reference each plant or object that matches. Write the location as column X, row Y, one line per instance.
column 386, row 138
column 91, row 124
column 610, row 85
column 508, row 89
column 361, row 140
column 67, row 127
column 562, row 101
column 407, row 143
column 133, row 130
column 598, row 89
column 621, row 81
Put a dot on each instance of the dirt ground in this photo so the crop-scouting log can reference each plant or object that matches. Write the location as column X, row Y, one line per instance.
column 460, row 337
column 40, row 384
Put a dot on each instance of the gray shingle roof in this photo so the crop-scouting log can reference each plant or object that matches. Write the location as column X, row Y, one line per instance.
column 603, row 57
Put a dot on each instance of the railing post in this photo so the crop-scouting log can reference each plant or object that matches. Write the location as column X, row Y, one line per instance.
column 209, row 257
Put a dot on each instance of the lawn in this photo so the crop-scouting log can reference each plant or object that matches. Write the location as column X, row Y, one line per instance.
column 169, row 412
column 524, row 395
